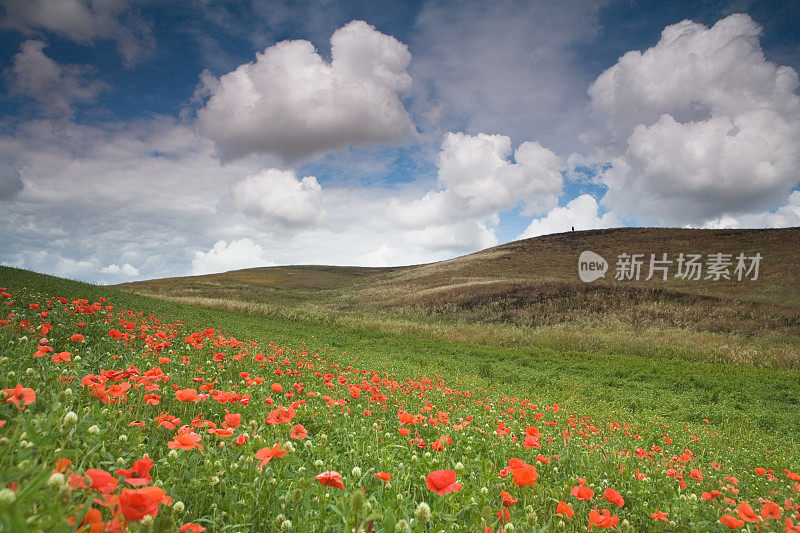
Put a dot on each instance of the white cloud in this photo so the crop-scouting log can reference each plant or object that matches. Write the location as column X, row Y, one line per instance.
column 56, row 87
column 276, row 198
column 381, row 257
column 222, row 257
column 477, row 169
column 581, row 213
column 292, row 103
column 83, row 21
column 786, row 216
column 698, row 126
column 126, row 269
column 478, row 181
column 455, row 238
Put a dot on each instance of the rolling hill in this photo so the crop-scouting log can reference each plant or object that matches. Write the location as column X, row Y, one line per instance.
column 532, row 287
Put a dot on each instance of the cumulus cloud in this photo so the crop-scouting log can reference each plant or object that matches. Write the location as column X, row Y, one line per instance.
column 83, row 21
column 380, row 257
column 126, row 269
column 56, row 87
column 698, row 126
column 223, row 256
column 582, row 213
column 477, row 169
column 477, row 180
column 292, row 103
column 276, row 198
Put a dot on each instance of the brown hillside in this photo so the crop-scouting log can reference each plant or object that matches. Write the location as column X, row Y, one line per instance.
column 535, row 282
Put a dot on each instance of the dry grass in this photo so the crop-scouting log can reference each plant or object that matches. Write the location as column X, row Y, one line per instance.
column 528, row 291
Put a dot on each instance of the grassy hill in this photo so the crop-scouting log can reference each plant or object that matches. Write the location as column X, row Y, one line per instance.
column 529, row 292
column 599, row 405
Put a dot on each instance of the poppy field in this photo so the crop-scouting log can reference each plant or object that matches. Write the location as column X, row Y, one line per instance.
column 121, row 413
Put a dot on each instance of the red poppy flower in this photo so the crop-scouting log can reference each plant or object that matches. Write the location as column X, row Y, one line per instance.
column 221, row 432
column 135, row 504
column 268, row 454
column 524, row 474
column 331, row 478
column 62, row 465
column 602, row 520
column 192, row 528
column 442, row 482
column 565, row 510
column 102, row 481
column 614, row 497
column 138, row 474
column 731, row 521
column 658, row 515
column 62, row 357
column 20, row 394
column 506, row 498
column 186, row 441
column 187, row 395
column 582, row 493
column 383, row 476
column 232, row 420
column 298, row 432
column 76, row 337
column 771, row 510
column 746, row 513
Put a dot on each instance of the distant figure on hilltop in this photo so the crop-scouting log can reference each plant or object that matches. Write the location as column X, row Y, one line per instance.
column 573, row 228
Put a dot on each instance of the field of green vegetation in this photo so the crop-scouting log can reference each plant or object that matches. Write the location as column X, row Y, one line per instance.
column 156, row 415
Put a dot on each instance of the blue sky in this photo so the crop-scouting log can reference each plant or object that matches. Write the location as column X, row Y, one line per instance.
column 144, row 139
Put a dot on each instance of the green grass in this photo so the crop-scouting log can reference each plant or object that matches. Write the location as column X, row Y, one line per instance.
column 751, row 411
column 526, row 294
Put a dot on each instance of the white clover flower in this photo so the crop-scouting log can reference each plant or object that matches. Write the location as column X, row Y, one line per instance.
column 286, row 525
column 509, row 526
column 56, row 480
column 356, row 471
column 7, row 496
column 70, row 418
column 178, row 507
column 459, row 466
column 423, row 513
column 93, row 430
